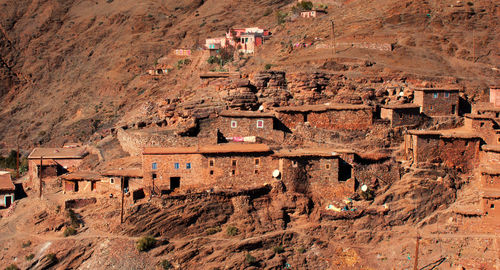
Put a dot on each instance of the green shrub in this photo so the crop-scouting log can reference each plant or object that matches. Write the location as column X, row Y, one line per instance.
column 281, row 17
column 268, row 66
column 250, row 259
column 74, row 220
column 213, row 60
column 165, row 264
column 12, row 267
column 278, row 249
column 146, row 243
column 301, row 250
column 213, row 230
column 30, row 257
column 305, row 5
column 232, row 231
column 51, row 258
column 69, row 231
column 26, row 244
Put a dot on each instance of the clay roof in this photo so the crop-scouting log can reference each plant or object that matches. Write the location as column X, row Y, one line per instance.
column 45, row 162
column 490, row 169
column 82, row 175
column 491, row 148
column 322, row 108
column 401, row 106
column 55, row 153
column 486, row 107
column 249, row 114
column 307, row 152
column 491, row 193
column 453, row 133
column 437, row 89
column 478, row 116
column 131, row 172
column 209, row 149
column 6, row 182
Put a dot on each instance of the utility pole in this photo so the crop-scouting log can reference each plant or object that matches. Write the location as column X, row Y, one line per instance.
column 415, row 264
column 17, row 159
column 473, row 46
column 121, row 186
column 41, row 175
column 333, row 38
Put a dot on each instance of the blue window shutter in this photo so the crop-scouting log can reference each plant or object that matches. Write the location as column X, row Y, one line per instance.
column 188, row 165
column 176, row 165
column 154, row 166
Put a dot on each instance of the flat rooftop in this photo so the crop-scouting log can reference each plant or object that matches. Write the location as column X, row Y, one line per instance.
column 58, row 153
column 491, row 148
column 401, row 106
column 246, row 114
column 449, row 133
column 6, row 182
column 322, row 108
column 307, row 152
column 437, row 89
column 209, row 149
column 82, row 175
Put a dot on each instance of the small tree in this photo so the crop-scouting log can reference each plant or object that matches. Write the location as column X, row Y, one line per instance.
column 69, row 231
column 165, row 264
column 145, row 243
column 281, row 17
column 232, row 231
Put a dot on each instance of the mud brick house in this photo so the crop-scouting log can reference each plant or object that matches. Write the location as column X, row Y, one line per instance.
column 238, row 125
column 132, row 181
column 166, row 169
column 182, row 52
column 451, row 148
column 490, row 176
column 312, row 13
column 7, row 190
column 490, row 203
column 246, row 40
column 487, row 127
column 81, row 182
column 495, row 96
column 437, row 102
column 401, row 114
column 490, row 153
column 55, row 161
column 331, row 116
column 486, row 109
column 319, row 172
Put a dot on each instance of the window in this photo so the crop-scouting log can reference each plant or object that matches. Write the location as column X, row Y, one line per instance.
column 153, row 176
column 255, row 171
column 400, row 115
column 431, row 107
column 211, row 162
column 257, row 161
column 111, row 180
column 211, row 172
column 435, row 95
column 233, row 162
column 327, row 166
column 260, row 123
column 446, row 95
column 176, row 165
column 294, row 163
column 234, row 124
column 188, row 166
column 154, row 166
column 492, row 206
column 481, row 124
column 233, row 172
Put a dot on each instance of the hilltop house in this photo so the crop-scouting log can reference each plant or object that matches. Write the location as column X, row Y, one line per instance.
column 7, row 190
column 54, row 161
column 166, row 169
column 401, row 114
column 244, row 39
column 437, row 102
column 312, row 13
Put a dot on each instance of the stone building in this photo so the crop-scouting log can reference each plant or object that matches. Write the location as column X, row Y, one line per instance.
column 485, row 126
column 331, row 116
column 319, row 172
column 490, row 176
column 437, row 102
column 240, row 125
column 452, row 149
column 81, row 181
column 55, row 161
column 495, row 96
column 401, row 114
column 7, row 190
column 132, row 182
column 224, row 165
column 490, row 203
column 312, row 13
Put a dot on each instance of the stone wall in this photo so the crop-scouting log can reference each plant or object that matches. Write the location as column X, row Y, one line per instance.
column 402, row 117
column 341, row 119
column 490, row 181
column 248, row 127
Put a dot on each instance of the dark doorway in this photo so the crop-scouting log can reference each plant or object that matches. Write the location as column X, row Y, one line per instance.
column 453, row 109
column 76, row 186
column 8, row 201
column 175, row 182
column 345, row 170
column 125, row 182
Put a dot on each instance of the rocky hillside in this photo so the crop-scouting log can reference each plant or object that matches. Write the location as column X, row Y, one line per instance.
column 71, row 68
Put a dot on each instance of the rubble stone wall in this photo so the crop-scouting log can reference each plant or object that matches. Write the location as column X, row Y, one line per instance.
column 341, row 119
